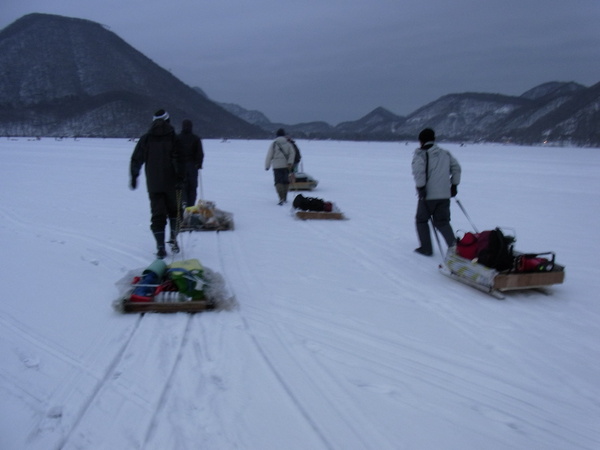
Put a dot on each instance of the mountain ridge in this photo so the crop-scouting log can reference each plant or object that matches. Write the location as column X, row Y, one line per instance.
column 59, row 79
column 57, row 69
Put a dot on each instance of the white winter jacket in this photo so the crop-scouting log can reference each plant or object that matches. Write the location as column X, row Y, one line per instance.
column 443, row 171
column 280, row 155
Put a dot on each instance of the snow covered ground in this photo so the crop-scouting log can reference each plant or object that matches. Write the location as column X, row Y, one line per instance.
column 343, row 339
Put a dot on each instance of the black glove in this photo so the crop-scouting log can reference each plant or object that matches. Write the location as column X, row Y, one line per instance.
column 422, row 192
column 133, row 183
column 453, row 190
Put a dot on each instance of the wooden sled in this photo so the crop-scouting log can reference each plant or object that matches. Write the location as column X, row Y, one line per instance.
column 319, row 215
column 193, row 306
column 303, row 182
column 213, row 294
column 497, row 283
column 206, row 217
column 313, row 208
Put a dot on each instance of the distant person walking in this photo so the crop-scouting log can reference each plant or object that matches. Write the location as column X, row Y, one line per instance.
column 437, row 176
column 193, row 157
column 281, row 156
column 160, row 152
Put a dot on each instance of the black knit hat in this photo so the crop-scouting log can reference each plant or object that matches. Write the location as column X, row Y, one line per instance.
column 161, row 114
column 427, row 135
column 280, row 132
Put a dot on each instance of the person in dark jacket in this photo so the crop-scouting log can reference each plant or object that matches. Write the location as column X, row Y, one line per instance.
column 437, row 175
column 193, row 157
column 160, row 152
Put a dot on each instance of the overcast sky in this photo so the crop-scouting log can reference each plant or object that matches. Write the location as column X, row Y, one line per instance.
column 337, row 60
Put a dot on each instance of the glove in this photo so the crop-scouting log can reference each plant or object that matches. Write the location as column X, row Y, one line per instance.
column 133, row 183
column 422, row 192
column 453, row 190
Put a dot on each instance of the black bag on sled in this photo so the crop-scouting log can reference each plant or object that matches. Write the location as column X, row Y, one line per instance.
column 491, row 248
column 311, row 204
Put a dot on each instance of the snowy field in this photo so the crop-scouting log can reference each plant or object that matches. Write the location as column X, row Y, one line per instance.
column 344, row 337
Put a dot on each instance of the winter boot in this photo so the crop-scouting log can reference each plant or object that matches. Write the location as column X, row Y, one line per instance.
column 173, row 237
column 282, row 190
column 160, row 244
column 423, row 251
column 173, row 243
column 161, row 252
column 424, row 238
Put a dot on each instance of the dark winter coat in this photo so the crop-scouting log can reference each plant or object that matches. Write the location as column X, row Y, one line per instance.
column 191, row 147
column 159, row 150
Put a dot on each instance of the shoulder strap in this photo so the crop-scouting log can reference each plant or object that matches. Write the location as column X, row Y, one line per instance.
column 281, row 150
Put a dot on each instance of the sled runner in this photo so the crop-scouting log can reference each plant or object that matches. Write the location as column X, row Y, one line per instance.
column 204, row 216
column 312, row 208
column 526, row 271
column 302, row 182
column 183, row 286
column 316, row 215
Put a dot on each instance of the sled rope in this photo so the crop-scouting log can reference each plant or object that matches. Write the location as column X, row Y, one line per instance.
column 178, row 194
column 466, row 215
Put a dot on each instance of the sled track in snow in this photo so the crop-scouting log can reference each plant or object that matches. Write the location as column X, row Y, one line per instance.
column 169, row 383
column 470, row 387
column 141, row 401
column 317, row 397
column 71, row 415
column 141, row 380
column 278, row 375
column 101, row 383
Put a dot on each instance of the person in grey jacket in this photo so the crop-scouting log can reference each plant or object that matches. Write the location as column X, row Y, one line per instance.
column 281, row 156
column 437, row 176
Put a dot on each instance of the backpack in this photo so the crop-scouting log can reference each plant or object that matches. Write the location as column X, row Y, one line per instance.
column 466, row 247
column 535, row 262
column 311, row 204
column 491, row 248
column 496, row 250
column 297, row 155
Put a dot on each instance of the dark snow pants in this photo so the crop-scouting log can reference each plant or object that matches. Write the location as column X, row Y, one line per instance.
column 190, row 185
column 281, row 176
column 163, row 207
column 439, row 212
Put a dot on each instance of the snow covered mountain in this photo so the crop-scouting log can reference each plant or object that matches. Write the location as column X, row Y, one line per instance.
column 552, row 112
column 59, row 79
column 557, row 112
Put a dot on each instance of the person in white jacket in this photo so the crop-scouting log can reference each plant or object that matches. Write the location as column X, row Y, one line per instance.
column 437, row 176
column 281, row 156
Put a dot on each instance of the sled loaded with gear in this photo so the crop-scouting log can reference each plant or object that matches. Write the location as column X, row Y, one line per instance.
column 313, row 208
column 488, row 261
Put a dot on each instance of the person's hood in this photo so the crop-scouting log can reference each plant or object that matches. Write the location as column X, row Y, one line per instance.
column 161, row 128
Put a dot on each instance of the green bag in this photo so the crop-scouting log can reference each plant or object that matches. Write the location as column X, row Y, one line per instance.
column 188, row 276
